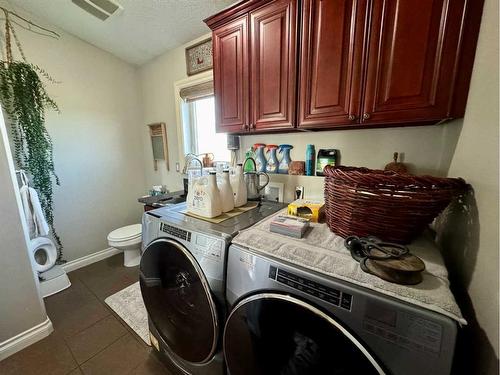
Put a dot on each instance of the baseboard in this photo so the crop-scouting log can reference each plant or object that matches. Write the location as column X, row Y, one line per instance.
column 25, row 339
column 89, row 259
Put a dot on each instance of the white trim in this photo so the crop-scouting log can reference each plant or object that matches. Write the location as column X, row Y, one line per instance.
column 25, row 339
column 89, row 259
column 24, row 226
column 178, row 85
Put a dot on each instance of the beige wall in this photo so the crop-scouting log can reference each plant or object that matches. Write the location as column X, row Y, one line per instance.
column 157, row 89
column 97, row 146
column 469, row 231
column 472, row 240
column 21, row 307
column 427, row 150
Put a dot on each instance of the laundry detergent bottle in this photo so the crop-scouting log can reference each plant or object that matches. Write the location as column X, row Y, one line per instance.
column 273, row 162
column 206, row 200
column 239, row 187
column 285, row 161
column 226, row 192
column 260, row 157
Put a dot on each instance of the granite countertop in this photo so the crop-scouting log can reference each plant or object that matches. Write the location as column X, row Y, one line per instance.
column 158, row 199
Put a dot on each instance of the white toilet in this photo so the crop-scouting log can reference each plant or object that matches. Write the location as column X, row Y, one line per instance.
column 129, row 240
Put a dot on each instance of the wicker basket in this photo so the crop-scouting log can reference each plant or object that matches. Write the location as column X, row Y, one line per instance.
column 394, row 207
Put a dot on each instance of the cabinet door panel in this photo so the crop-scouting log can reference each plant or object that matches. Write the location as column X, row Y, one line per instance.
column 411, row 60
column 230, row 49
column 330, row 72
column 273, row 67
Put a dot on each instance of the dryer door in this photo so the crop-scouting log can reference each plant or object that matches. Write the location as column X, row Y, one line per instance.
column 178, row 300
column 272, row 333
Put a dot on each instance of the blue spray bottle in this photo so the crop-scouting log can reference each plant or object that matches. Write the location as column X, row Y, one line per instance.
column 310, row 152
column 285, row 161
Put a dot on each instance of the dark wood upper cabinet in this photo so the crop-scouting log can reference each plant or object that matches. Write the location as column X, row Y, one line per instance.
column 273, row 30
column 363, row 63
column 411, row 62
column 331, row 62
column 230, row 50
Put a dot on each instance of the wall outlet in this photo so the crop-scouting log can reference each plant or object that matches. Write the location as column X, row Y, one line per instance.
column 299, row 192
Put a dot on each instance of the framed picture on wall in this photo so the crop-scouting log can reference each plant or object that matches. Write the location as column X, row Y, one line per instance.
column 274, row 192
column 199, row 57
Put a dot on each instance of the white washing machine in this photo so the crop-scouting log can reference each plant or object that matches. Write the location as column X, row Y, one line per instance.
column 285, row 319
column 182, row 279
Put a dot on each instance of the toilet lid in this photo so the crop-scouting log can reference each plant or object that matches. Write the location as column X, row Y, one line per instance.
column 126, row 233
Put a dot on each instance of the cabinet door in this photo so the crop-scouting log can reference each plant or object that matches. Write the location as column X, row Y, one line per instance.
column 411, row 60
column 230, row 50
column 273, row 29
column 330, row 71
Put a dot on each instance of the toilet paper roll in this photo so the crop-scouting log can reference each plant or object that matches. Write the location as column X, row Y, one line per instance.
column 44, row 253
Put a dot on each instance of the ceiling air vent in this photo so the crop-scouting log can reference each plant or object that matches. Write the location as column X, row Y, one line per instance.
column 101, row 9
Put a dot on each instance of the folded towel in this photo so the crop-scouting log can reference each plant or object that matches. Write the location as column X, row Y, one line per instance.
column 37, row 225
column 41, row 224
column 324, row 252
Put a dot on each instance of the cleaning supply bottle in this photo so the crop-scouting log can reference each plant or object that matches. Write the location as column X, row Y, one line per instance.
column 205, row 200
column 310, row 160
column 326, row 157
column 285, row 161
column 239, row 187
column 248, row 167
column 273, row 162
column 226, row 192
column 260, row 158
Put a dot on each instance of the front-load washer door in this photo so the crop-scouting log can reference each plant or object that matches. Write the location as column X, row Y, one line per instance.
column 178, row 300
column 272, row 333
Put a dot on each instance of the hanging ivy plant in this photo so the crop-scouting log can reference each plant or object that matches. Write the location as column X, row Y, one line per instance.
column 25, row 99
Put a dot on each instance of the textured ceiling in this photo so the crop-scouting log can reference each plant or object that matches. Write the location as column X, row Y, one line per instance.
column 143, row 30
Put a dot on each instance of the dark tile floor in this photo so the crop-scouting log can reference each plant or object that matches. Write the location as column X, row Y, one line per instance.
column 88, row 338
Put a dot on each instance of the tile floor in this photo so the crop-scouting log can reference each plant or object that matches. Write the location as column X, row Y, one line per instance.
column 88, row 338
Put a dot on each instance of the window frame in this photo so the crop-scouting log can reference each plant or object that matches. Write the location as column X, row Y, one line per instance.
column 182, row 111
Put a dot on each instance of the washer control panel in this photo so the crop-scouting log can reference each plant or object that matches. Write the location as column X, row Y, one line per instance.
column 176, row 232
column 209, row 247
column 325, row 293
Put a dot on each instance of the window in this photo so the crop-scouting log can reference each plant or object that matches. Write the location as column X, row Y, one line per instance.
column 206, row 139
column 198, row 122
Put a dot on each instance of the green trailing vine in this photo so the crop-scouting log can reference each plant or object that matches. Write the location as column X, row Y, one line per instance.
column 25, row 100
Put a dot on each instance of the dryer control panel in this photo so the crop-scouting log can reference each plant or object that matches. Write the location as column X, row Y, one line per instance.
column 325, row 293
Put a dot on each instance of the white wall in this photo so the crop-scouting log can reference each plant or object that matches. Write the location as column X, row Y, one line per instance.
column 97, row 146
column 469, row 232
column 21, row 307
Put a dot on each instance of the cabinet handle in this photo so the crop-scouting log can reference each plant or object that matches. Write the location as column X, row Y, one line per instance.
column 366, row 116
column 252, row 126
column 352, row 117
column 244, row 126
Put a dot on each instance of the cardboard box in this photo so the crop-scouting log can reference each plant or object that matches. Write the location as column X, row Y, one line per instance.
column 308, row 209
